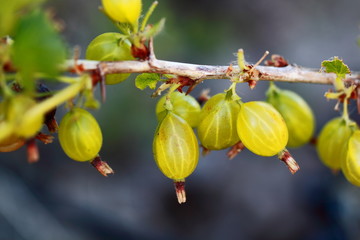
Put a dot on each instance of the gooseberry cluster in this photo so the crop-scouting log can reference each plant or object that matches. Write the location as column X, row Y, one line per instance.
column 266, row 128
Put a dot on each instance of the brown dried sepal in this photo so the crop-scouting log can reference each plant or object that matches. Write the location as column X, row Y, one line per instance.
column 180, row 191
column 252, row 84
column 277, row 61
column 51, row 122
column 290, row 162
column 45, row 138
column 205, row 151
column 141, row 52
column 183, row 81
column 204, row 96
column 358, row 98
column 102, row 166
column 235, row 150
column 32, row 151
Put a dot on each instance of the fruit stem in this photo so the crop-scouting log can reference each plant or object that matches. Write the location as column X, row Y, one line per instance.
column 235, row 150
column 290, row 162
column 148, row 14
column 231, row 94
column 101, row 166
column 168, row 105
column 180, row 190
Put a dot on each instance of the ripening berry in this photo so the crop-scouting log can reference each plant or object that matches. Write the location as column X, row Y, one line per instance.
column 80, row 135
column 185, row 106
column 25, row 126
column 261, row 128
column 351, row 164
column 110, row 47
column 11, row 143
column 297, row 114
column 175, row 147
column 332, row 141
column 176, row 151
column 124, row 11
column 217, row 127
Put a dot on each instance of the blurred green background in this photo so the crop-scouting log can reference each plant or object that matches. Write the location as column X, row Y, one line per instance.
column 249, row 197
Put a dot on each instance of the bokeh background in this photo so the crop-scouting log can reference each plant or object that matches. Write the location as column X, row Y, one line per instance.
column 250, row 197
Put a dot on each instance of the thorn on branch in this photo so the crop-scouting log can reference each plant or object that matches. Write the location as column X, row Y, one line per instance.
column 97, row 76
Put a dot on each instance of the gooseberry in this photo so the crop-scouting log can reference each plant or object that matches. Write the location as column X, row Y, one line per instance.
column 261, row 128
column 217, row 127
column 11, row 143
column 332, row 141
column 185, row 106
column 110, row 47
column 25, row 127
column 297, row 114
column 176, row 150
column 80, row 135
column 351, row 164
column 124, row 11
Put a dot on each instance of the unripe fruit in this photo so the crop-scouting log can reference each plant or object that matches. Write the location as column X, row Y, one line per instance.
column 175, row 147
column 80, row 135
column 217, row 128
column 185, row 106
column 261, row 128
column 332, row 141
column 11, row 143
column 27, row 126
column 297, row 114
column 110, row 47
column 124, row 11
column 351, row 164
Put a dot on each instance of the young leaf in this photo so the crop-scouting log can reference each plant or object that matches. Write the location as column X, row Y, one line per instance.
column 11, row 11
column 145, row 80
column 155, row 29
column 336, row 66
column 37, row 47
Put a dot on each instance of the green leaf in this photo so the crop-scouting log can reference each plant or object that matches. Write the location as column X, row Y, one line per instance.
column 336, row 66
column 11, row 11
column 145, row 80
column 155, row 29
column 38, row 48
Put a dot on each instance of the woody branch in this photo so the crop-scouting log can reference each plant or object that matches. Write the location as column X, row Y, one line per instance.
column 197, row 72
